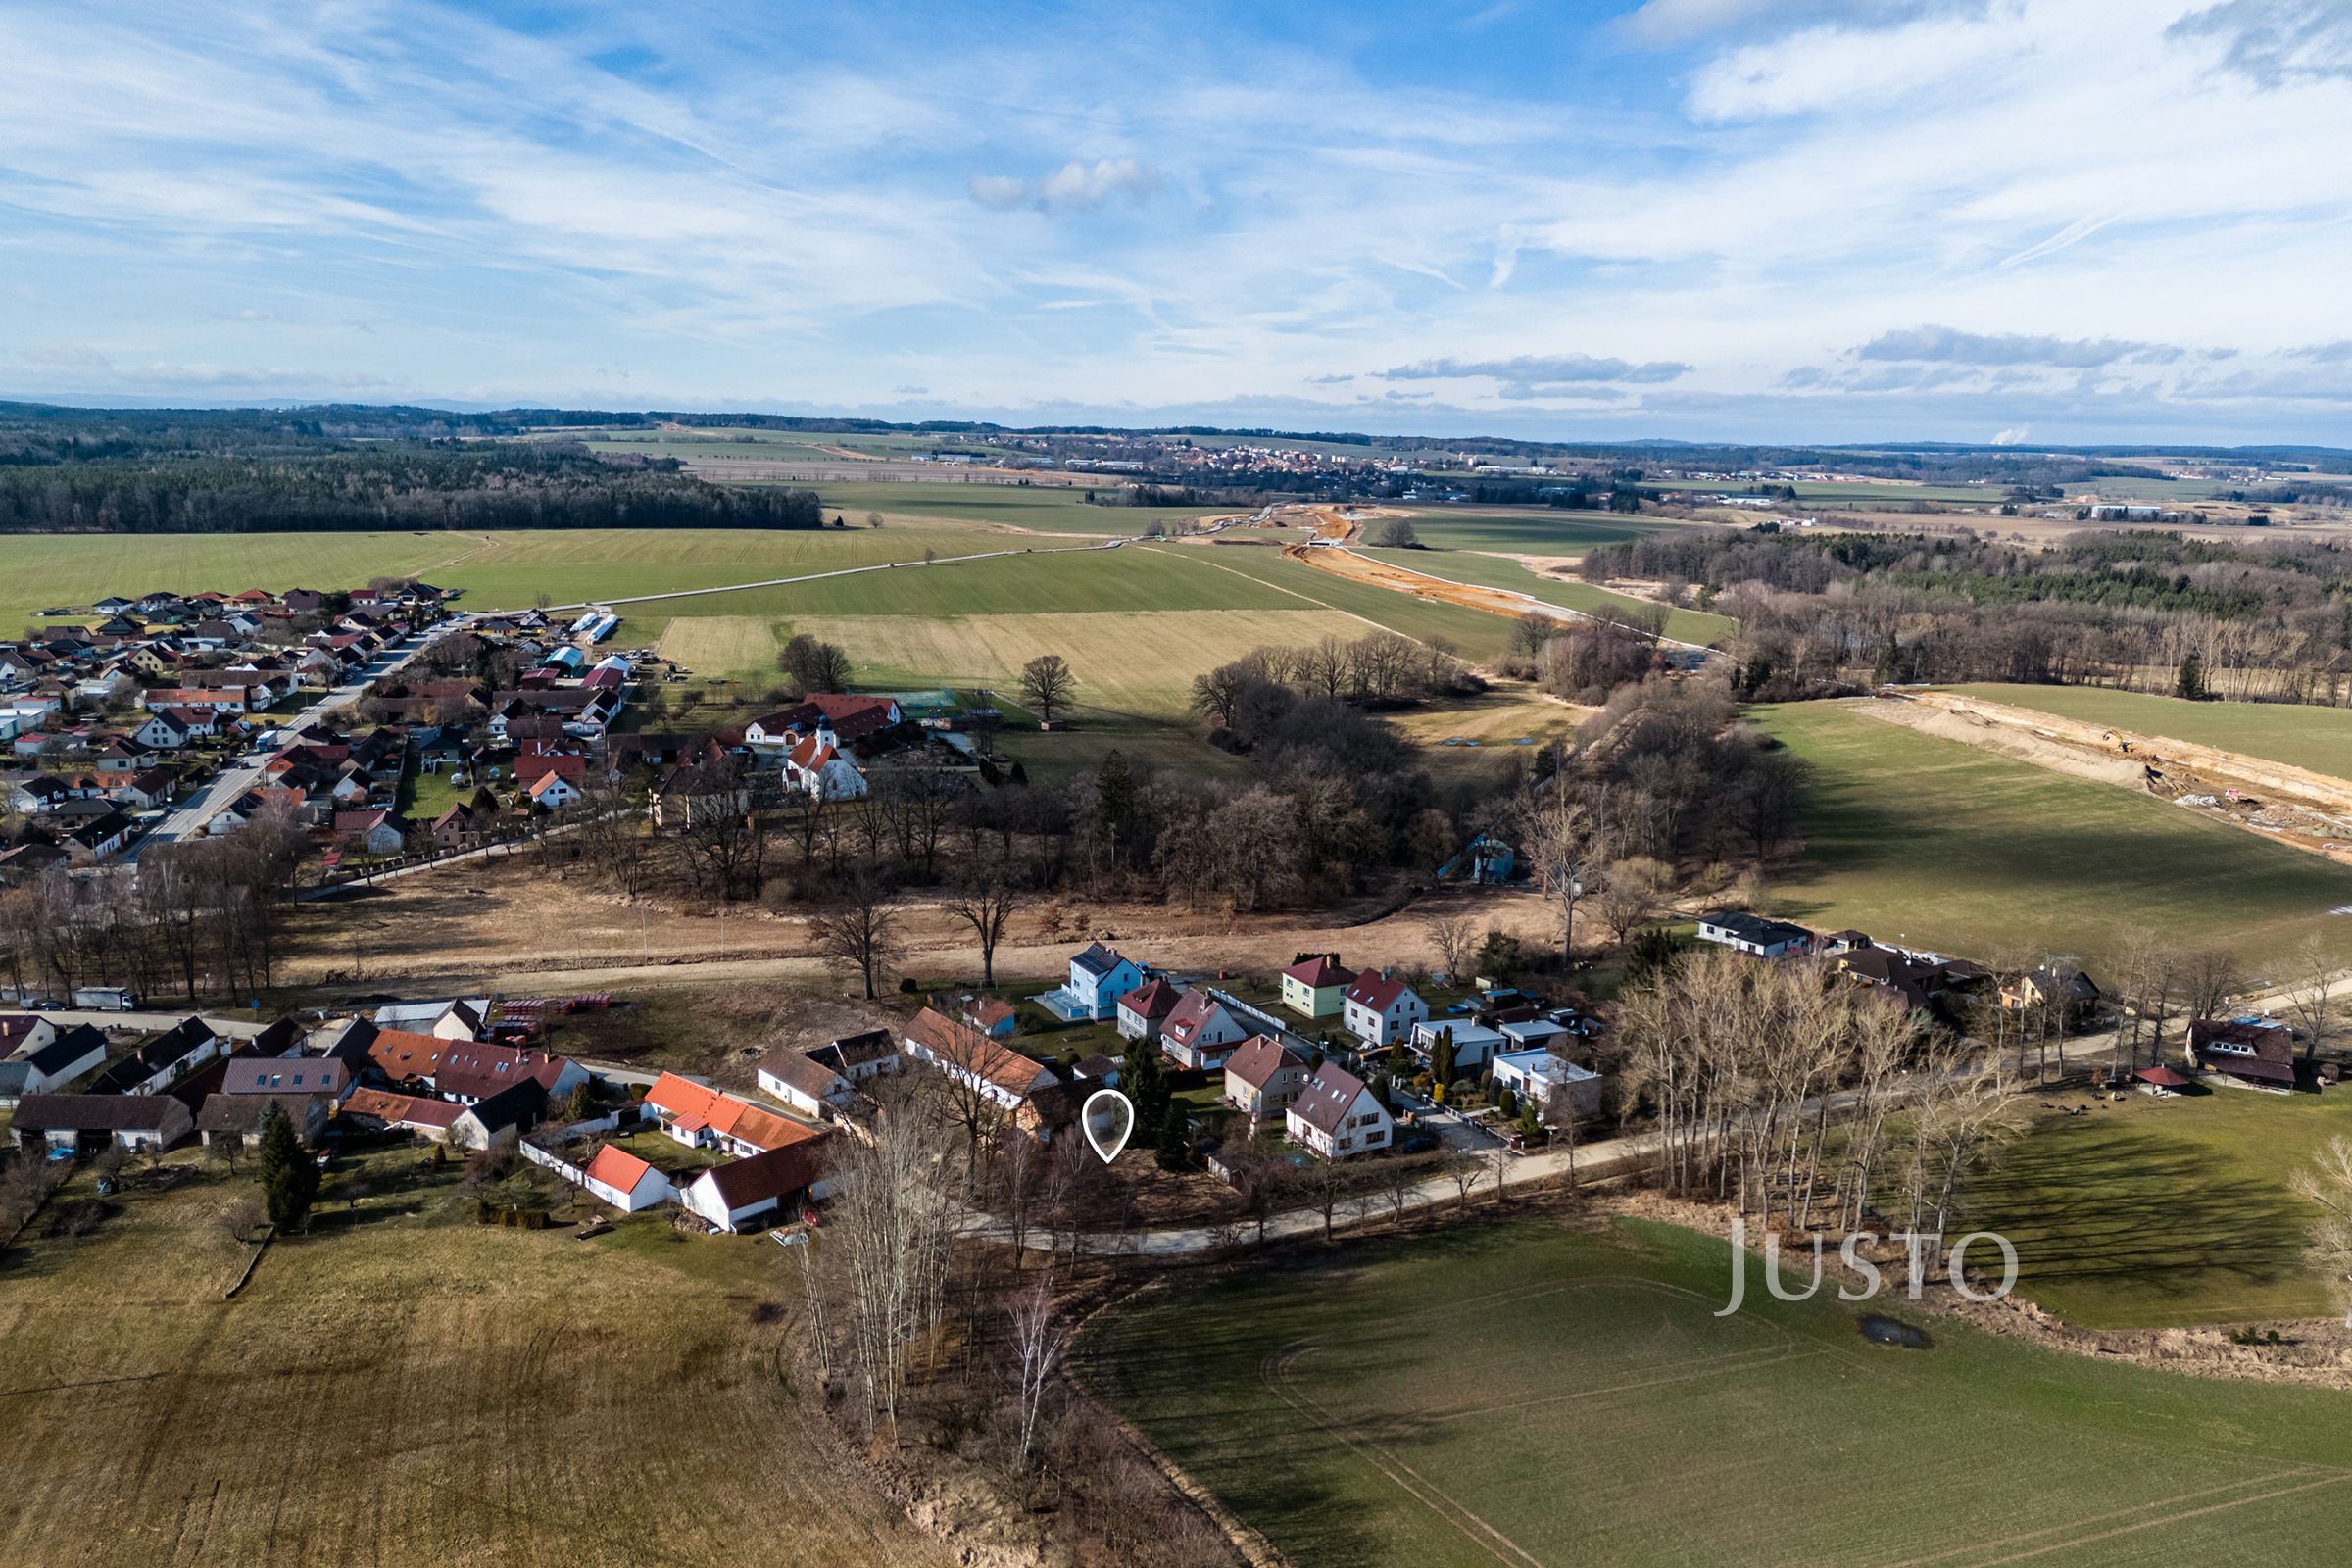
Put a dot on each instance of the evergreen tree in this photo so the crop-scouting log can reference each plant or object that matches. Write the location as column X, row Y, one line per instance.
column 289, row 1181
column 1145, row 1082
column 1175, row 1139
column 2191, row 682
column 484, row 803
column 1507, row 1102
column 1114, row 794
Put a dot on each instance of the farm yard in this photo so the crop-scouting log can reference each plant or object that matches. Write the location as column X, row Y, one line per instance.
column 2147, row 1214
column 2315, row 738
column 1514, row 1393
column 1914, row 837
column 406, row 1385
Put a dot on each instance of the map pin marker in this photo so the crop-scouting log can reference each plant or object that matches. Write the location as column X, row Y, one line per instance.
column 1108, row 1119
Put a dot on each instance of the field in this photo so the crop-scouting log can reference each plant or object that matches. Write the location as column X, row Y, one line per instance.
column 1478, row 636
column 404, row 1386
column 2315, row 738
column 1915, row 838
column 1521, row 1394
column 1815, row 492
column 1499, row 571
column 1045, row 508
column 1545, row 532
column 2149, row 1213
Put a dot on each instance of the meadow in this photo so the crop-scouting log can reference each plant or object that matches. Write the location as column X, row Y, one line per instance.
column 1499, row 571
column 1522, row 1393
column 1533, row 532
column 1041, row 509
column 2147, row 1214
column 2315, row 738
column 1915, row 838
column 404, row 1386
column 1478, row 636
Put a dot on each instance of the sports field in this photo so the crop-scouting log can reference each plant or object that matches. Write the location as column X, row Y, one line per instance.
column 2146, row 1213
column 1912, row 837
column 2317, row 738
column 404, row 1386
column 1521, row 1394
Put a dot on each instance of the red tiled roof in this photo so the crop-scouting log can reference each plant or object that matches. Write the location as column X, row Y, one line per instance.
column 1320, row 971
column 1154, row 999
column 412, row 1109
column 1258, row 1058
column 616, row 1168
column 961, row 1045
column 1375, row 991
column 1330, row 1094
column 401, row 1055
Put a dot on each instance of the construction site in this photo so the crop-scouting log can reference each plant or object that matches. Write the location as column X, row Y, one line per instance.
column 2309, row 810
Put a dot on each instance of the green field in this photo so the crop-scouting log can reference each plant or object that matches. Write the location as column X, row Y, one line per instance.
column 1521, row 1394
column 1861, row 492
column 1478, row 637
column 2146, row 1213
column 1043, row 508
column 1525, row 533
column 2315, row 738
column 1498, row 571
column 1912, row 837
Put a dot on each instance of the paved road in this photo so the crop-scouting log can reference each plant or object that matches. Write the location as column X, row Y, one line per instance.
column 187, row 819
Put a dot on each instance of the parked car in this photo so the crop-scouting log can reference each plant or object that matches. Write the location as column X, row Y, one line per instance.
column 1418, row 1144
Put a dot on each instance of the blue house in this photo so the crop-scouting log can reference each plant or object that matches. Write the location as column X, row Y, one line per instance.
column 1099, row 978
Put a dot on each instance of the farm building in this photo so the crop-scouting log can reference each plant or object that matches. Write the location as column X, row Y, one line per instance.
column 769, row 1187
column 413, row 1113
column 624, row 1181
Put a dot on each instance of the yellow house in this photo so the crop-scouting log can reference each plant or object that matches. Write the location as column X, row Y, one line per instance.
column 1314, row 986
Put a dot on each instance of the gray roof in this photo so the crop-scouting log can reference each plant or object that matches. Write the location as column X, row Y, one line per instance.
column 95, row 1112
column 1324, row 1103
column 1098, row 960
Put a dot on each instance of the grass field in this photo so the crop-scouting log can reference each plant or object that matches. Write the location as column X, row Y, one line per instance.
column 1911, row 836
column 1524, row 1395
column 2147, row 1214
column 1498, row 571
column 404, row 1386
column 1043, row 508
column 1525, row 533
column 1477, row 635
column 2317, row 738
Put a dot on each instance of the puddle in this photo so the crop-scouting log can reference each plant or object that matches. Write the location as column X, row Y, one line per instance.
column 1881, row 1330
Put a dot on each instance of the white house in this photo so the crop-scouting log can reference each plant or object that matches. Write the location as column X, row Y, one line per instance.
column 553, row 792
column 443, row 1020
column 971, row 1058
column 1474, row 1045
column 817, row 766
column 804, row 1083
column 764, row 1189
column 162, row 731
column 1380, row 1010
column 1337, row 1116
column 81, row 1121
column 1542, row 1077
column 1144, row 1010
column 1753, row 934
column 624, row 1181
column 1202, row 1031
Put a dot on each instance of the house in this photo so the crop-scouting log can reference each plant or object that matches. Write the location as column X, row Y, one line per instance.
column 445, row 1020
column 965, row 1054
column 414, row 1113
column 777, row 1184
column 1474, row 1043
column 21, row 1032
column 858, row 1057
column 1381, row 1011
column 247, row 1116
column 624, row 1181
column 1145, row 1010
column 90, row 1122
column 844, row 717
column 1558, row 1087
column 455, row 828
column 702, row 1118
column 29, row 860
column 1753, row 934
column 501, row 1118
column 2243, row 1052
column 287, row 1077
column 60, row 1059
column 1099, row 978
column 1202, row 1031
column 1263, row 1077
column 1337, row 1116
column 2061, row 985
column 804, row 1083
column 146, row 789
column 93, row 837
column 553, row 792
column 992, row 1016
column 817, row 766
column 377, row 832
column 160, row 1062
column 405, row 1059
column 470, row 1071
column 1315, row 985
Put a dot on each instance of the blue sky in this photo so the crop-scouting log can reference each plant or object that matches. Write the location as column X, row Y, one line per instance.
column 1842, row 220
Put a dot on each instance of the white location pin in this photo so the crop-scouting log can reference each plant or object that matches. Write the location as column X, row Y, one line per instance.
column 1108, row 1119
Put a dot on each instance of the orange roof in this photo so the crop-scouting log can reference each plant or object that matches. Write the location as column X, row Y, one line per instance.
column 616, row 1168
column 403, row 1054
column 691, row 1107
column 961, row 1045
column 409, row 1108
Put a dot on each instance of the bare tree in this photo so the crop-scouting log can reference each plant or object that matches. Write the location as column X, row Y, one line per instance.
column 1455, row 939
column 859, row 929
column 1631, row 895
column 2326, row 1183
column 986, row 903
column 893, row 1219
column 2210, row 978
column 1558, row 831
column 1047, row 683
column 1037, row 1341
column 2311, row 975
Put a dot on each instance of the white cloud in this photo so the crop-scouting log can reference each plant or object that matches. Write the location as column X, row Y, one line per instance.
column 1073, row 187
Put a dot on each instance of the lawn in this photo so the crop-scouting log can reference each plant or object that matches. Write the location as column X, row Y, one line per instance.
column 1912, row 837
column 1498, row 571
column 2315, row 738
column 2147, row 1214
column 1522, row 1395
column 404, row 1386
